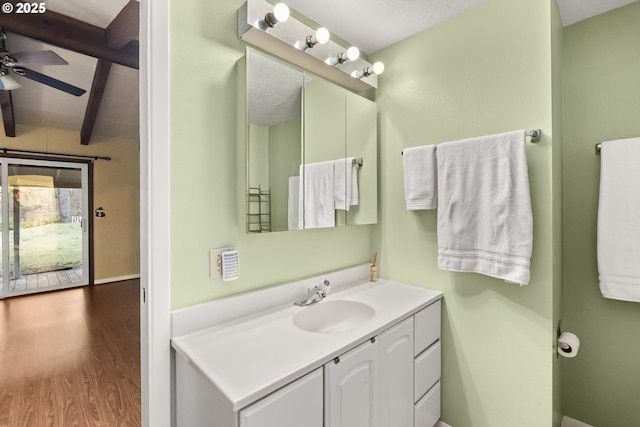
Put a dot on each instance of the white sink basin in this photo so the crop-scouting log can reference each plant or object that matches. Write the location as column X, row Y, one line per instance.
column 331, row 317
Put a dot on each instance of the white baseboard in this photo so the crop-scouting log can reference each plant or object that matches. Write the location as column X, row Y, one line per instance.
column 570, row 422
column 566, row 422
column 116, row 279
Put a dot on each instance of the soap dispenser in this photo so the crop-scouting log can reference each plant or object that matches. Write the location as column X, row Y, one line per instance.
column 373, row 268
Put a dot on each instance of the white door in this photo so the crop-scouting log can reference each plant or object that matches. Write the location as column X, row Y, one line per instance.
column 396, row 375
column 45, row 242
column 351, row 388
column 295, row 405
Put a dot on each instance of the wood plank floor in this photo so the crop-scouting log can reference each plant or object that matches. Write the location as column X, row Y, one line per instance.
column 71, row 358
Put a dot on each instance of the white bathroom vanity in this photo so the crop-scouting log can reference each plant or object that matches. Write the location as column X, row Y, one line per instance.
column 366, row 355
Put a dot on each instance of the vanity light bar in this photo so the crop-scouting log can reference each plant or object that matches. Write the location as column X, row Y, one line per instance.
column 280, row 41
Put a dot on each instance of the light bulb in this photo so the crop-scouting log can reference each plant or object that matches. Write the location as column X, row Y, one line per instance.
column 353, row 53
column 378, row 68
column 8, row 83
column 280, row 14
column 322, row 35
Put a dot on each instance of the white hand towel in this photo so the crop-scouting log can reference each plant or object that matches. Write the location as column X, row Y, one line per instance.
column 485, row 223
column 346, row 183
column 294, row 203
column 420, row 183
column 317, row 198
column 619, row 220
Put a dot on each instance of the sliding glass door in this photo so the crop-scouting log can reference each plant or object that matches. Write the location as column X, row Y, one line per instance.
column 44, row 225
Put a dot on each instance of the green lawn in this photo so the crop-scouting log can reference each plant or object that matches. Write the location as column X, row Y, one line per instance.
column 48, row 247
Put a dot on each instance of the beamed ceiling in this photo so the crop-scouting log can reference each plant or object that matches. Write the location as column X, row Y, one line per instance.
column 94, row 49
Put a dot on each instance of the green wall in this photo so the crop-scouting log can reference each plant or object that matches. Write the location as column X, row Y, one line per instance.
column 556, row 105
column 258, row 149
column 284, row 161
column 486, row 71
column 206, row 171
column 601, row 386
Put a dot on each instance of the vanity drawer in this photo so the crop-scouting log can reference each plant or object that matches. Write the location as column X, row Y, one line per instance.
column 427, row 410
column 426, row 370
column 426, row 325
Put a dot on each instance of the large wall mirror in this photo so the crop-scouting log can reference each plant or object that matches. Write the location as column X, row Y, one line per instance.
column 311, row 150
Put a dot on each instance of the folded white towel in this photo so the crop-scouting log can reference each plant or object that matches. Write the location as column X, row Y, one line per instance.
column 345, row 183
column 294, row 203
column 619, row 220
column 317, row 198
column 485, row 223
column 420, row 183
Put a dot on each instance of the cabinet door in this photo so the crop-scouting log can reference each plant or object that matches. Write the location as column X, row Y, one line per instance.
column 297, row 404
column 352, row 388
column 396, row 375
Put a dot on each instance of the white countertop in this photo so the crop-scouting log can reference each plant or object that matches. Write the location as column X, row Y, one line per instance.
column 250, row 357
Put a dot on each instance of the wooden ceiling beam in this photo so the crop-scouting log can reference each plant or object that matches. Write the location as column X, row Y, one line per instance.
column 95, row 97
column 71, row 34
column 125, row 27
column 8, row 119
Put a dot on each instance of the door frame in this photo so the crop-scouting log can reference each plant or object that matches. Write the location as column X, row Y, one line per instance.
column 89, row 211
column 155, row 207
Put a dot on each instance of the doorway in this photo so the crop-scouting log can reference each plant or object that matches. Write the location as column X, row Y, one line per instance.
column 45, row 227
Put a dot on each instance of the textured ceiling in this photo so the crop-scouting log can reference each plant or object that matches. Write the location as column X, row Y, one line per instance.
column 573, row 11
column 274, row 90
column 374, row 24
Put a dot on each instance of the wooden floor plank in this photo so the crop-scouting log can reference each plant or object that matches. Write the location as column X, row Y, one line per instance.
column 71, row 357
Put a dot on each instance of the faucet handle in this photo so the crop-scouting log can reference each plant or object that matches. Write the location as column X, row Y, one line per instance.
column 325, row 286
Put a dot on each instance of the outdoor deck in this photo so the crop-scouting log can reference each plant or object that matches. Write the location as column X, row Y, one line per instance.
column 47, row 280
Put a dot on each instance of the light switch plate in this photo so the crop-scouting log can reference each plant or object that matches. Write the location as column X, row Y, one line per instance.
column 215, row 262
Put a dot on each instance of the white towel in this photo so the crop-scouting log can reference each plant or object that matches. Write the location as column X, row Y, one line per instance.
column 317, row 198
column 294, row 203
column 420, row 183
column 619, row 220
column 346, row 183
column 485, row 223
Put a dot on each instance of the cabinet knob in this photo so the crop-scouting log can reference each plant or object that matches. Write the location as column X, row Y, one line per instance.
column 336, row 360
column 373, row 340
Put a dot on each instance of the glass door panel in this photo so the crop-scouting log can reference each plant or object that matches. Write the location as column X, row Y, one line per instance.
column 44, row 238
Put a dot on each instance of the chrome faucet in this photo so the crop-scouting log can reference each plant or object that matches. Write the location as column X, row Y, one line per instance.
column 317, row 293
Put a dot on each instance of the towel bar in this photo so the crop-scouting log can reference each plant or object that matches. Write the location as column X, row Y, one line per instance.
column 536, row 135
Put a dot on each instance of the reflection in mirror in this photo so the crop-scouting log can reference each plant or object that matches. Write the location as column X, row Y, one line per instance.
column 340, row 128
column 311, row 152
column 274, row 92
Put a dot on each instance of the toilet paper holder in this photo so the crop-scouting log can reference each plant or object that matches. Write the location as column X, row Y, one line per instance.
column 564, row 348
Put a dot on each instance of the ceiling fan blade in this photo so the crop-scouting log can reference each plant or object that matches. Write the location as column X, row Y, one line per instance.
column 49, row 81
column 39, row 57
